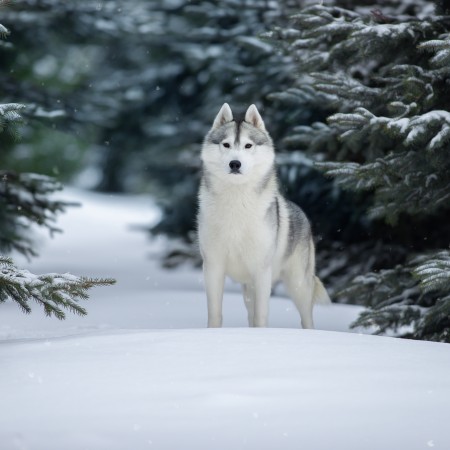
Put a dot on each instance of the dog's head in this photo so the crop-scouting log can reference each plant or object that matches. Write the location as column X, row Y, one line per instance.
column 238, row 150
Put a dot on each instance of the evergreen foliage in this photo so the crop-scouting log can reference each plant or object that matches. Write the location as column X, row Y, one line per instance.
column 141, row 81
column 10, row 117
column 25, row 200
column 384, row 79
column 226, row 58
column 359, row 87
column 54, row 292
column 221, row 59
column 143, row 77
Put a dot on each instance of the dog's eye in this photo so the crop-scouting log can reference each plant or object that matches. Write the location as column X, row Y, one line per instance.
column 226, row 145
column 248, row 146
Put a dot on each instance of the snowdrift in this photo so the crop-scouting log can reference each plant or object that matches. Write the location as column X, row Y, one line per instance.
column 141, row 371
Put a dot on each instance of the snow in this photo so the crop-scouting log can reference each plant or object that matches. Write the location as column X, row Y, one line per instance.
column 440, row 138
column 3, row 30
column 41, row 112
column 141, row 371
column 385, row 30
column 256, row 44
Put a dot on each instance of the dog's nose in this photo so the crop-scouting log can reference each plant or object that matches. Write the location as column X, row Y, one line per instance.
column 235, row 165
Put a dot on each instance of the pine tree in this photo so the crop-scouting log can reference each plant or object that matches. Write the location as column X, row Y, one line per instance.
column 25, row 201
column 385, row 77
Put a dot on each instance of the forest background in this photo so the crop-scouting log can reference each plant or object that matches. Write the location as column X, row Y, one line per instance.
column 116, row 96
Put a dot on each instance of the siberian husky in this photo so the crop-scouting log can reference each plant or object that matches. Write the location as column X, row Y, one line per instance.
column 246, row 229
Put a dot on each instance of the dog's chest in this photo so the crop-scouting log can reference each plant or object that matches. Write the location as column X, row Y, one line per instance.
column 234, row 229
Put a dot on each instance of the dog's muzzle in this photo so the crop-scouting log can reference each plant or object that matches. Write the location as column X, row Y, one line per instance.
column 235, row 165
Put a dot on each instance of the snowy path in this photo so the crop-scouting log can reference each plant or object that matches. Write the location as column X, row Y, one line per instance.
column 120, row 378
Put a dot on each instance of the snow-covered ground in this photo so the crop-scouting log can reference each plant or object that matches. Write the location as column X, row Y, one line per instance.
column 141, row 371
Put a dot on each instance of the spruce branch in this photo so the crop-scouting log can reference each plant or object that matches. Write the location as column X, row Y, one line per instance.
column 393, row 296
column 441, row 48
column 10, row 118
column 54, row 292
column 433, row 272
column 25, row 200
column 434, row 325
column 340, row 86
column 3, row 31
column 411, row 300
column 395, row 320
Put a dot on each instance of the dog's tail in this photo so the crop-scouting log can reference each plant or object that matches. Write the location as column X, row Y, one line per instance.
column 320, row 294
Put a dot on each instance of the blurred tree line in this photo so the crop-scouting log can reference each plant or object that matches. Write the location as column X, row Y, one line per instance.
column 119, row 95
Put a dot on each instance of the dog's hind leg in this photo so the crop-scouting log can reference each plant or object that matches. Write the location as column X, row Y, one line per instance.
column 300, row 289
column 249, row 302
column 256, row 299
column 262, row 287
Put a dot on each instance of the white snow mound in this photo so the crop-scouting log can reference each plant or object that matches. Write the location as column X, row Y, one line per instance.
column 142, row 372
column 224, row 389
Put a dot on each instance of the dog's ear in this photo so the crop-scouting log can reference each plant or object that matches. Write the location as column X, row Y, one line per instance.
column 225, row 115
column 253, row 117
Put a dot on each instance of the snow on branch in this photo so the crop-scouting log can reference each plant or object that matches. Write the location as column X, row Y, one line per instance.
column 433, row 271
column 430, row 130
column 402, row 182
column 255, row 44
column 400, row 298
column 433, row 274
column 395, row 320
column 10, row 117
column 54, row 292
column 343, row 87
column 385, row 30
column 441, row 48
column 316, row 15
column 3, row 31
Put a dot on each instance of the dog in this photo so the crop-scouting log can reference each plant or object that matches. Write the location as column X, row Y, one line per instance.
column 246, row 229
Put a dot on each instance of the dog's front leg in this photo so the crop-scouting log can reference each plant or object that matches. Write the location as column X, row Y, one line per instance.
column 249, row 302
column 262, row 287
column 214, row 280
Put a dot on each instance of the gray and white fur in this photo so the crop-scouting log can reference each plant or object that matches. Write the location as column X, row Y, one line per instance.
column 246, row 229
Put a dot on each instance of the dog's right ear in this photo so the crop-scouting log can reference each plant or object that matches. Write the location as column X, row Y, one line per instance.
column 225, row 115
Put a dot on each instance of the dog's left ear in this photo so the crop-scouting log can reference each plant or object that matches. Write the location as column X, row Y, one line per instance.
column 253, row 117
